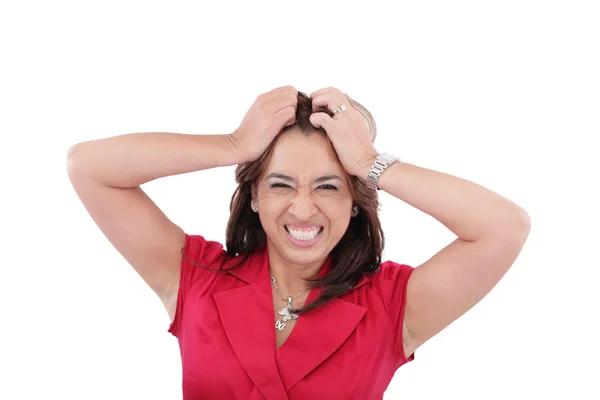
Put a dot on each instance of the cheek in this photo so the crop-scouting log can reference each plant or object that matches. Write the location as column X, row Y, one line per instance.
column 271, row 208
column 336, row 210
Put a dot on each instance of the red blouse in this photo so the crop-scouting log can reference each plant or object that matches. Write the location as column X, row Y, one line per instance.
column 349, row 348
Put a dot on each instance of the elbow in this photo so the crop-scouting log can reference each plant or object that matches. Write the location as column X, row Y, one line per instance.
column 71, row 159
column 523, row 220
column 73, row 155
column 513, row 227
column 520, row 227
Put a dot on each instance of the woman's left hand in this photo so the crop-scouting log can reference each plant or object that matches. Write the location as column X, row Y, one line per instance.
column 347, row 131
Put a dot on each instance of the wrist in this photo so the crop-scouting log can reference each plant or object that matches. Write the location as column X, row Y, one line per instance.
column 378, row 167
column 362, row 171
column 236, row 150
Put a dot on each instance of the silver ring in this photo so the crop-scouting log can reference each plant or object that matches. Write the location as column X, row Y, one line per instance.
column 340, row 109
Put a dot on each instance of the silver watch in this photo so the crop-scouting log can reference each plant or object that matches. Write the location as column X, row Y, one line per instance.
column 381, row 163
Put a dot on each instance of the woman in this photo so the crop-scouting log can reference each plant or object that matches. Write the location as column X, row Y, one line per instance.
column 299, row 306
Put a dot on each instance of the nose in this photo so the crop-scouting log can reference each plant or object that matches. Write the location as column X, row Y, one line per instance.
column 303, row 207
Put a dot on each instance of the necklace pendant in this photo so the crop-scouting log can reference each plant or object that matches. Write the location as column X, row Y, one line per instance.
column 279, row 325
column 287, row 315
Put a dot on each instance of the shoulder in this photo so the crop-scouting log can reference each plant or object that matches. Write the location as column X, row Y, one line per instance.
column 389, row 280
column 393, row 271
column 200, row 259
column 392, row 281
column 198, row 248
column 388, row 273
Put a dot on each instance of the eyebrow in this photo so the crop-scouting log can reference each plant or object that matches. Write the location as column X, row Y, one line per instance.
column 290, row 179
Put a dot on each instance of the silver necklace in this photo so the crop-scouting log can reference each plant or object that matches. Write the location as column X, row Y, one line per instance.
column 285, row 311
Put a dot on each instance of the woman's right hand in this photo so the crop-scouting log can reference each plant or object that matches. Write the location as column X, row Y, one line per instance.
column 270, row 113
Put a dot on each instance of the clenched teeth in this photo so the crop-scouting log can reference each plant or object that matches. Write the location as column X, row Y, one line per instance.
column 304, row 235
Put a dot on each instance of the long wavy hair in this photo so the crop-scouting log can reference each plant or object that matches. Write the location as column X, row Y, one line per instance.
column 357, row 253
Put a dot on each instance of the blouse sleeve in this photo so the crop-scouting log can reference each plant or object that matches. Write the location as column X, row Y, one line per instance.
column 394, row 281
column 194, row 278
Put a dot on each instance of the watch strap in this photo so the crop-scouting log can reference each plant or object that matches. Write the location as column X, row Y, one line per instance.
column 381, row 163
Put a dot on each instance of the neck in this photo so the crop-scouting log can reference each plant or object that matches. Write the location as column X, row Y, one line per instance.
column 290, row 276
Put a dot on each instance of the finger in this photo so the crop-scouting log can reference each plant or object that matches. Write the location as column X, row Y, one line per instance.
column 283, row 89
column 289, row 91
column 322, row 120
column 286, row 116
column 330, row 101
column 319, row 92
column 277, row 92
column 283, row 102
column 283, row 98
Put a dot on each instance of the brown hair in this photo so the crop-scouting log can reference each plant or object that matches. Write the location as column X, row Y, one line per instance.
column 358, row 251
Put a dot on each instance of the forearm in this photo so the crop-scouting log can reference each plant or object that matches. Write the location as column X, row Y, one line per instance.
column 132, row 159
column 469, row 210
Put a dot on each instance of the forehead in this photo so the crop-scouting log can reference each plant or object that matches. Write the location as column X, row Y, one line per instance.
column 304, row 156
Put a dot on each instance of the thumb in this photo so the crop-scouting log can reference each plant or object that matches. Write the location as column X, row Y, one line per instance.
column 321, row 120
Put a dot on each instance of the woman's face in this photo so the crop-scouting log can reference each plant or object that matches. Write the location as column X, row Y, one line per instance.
column 304, row 198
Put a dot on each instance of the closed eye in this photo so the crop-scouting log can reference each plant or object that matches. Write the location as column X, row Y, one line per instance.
column 283, row 185
column 328, row 187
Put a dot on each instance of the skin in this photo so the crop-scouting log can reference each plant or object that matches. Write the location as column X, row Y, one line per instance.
column 491, row 230
column 302, row 202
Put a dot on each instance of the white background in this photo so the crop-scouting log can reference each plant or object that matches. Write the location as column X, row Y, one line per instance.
column 506, row 94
